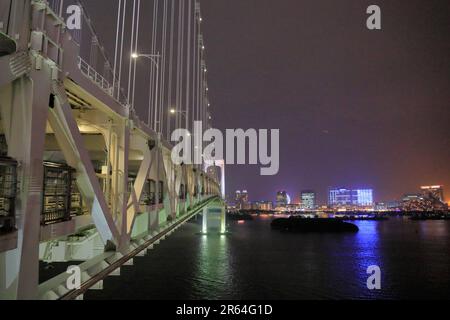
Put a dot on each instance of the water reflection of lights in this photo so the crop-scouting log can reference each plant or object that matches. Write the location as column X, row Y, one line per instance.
column 213, row 267
column 367, row 244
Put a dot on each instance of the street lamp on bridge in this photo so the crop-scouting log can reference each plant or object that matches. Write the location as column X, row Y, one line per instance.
column 154, row 58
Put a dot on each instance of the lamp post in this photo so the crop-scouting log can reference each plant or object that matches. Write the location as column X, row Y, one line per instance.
column 154, row 58
column 175, row 112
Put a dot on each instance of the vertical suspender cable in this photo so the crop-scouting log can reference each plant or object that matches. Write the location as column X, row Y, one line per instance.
column 152, row 90
column 124, row 14
column 169, row 86
column 199, row 69
column 136, row 50
column 130, row 63
column 202, row 86
column 117, row 45
column 162, row 99
column 179, row 53
column 188, row 64
column 194, row 64
column 180, row 113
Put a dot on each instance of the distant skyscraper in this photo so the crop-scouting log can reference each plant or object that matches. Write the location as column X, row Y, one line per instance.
column 342, row 197
column 435, row 192
column 282, row 199
column 241, row 200
column 308, row 200
column 245, row 199
column 237, row 197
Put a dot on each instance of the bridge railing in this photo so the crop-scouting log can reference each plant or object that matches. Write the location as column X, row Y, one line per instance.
column 91, row 73
column 99, row 79
column 93, row 60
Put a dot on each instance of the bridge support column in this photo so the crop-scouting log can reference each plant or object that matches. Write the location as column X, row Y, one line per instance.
column 205, row 221
column 214, row 220
column 25, row 134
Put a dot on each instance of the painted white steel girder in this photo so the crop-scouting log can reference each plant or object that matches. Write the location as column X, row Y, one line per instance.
column 71, row 142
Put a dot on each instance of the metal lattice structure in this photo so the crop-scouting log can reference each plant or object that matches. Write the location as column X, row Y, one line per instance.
column 57, row 193
column 8, row 193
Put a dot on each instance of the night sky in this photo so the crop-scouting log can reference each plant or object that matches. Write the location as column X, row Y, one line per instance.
column 356, row 108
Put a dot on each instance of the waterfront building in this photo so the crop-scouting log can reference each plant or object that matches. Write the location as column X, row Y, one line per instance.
column 436, row 192
column 422, row 203
column 282, row 199
column 237, row 197
column 293, row 207
column 348, row 198
column 308, row 200
column 394, row 205
column 381, row 206
column 242, row 200
column 265, row 205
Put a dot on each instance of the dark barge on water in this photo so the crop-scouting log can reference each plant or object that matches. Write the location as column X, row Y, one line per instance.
column 304, row 225
column 240, row 216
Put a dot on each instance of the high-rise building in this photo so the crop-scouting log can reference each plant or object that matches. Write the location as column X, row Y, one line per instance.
column 308, row 200
column 237, row 197
column 245, row 199
column 342, row 197
column 435, row 192
column 241, row 200
column 282, row 199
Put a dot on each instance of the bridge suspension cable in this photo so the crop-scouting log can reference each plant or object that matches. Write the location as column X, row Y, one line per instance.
column 176, row 79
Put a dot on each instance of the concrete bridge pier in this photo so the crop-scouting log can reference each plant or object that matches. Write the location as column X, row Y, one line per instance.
column 214, row 219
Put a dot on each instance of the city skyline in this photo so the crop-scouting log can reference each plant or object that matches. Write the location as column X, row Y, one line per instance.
column 437, row 190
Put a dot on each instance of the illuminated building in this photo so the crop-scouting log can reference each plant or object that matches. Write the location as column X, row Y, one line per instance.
column 245, row 200
column 241, row 200
column 342, row 197
column 394, row 205
column 364, row 197
column 308, row 200
column 237, row 197
column 262, row 206
column 436, row 192
column 293, row 207
column 424, row 202
column 381, row 206
column 415, row 202
column 265, row 205
column 282, row 199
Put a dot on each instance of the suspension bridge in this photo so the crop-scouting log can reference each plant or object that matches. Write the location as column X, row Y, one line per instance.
column 86, row 173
